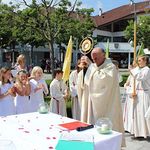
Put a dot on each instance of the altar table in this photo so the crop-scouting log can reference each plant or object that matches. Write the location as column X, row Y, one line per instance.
column 34, row 131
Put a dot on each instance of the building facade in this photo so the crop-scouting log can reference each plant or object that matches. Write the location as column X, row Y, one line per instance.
column 111, row 25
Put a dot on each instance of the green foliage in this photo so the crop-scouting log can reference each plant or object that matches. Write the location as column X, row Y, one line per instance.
column 143, row 31
column 7, row 23
column 124, row 80
column 48, row 82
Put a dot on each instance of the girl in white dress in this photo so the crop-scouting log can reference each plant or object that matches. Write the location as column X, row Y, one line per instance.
column 7, row 93
column 23, row 89
column 38, row 86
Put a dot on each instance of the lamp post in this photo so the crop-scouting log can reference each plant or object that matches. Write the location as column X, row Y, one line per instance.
column 135, row 24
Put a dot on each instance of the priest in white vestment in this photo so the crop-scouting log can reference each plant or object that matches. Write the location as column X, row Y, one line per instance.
column 141, row 125
column 58, row 93
column 102, row 95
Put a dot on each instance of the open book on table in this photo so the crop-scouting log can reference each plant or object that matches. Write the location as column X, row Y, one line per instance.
column 75, row 141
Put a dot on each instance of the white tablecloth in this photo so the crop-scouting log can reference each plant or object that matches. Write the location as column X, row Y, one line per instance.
column 34, row 131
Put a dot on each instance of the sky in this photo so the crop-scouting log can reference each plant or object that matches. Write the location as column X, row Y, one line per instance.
column 105, row 5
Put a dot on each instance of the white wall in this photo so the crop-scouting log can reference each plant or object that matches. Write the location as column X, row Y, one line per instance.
column 122, row 47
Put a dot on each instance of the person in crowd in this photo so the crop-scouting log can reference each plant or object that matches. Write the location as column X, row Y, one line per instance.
column 83, row 92
column 128, row 106
column 38, row 88
column 73, row 90
column 21, row 63
column 59, row 93
column 103, row 99
column 43, row 64
column 141, row 74
column 48, row 65
column 7, row 93
column 23, row 90
column 0, row 77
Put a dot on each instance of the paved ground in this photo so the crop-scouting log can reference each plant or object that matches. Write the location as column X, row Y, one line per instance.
column 136, row 144
column 131, row 144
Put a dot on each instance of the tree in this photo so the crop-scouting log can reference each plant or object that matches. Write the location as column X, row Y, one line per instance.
column 143, row 31
column 79, row 25
column 26, row 36
column 52, row 19
column 6, row 26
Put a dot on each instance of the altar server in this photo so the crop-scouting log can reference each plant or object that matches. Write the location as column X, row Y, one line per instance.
column 73, row 90
column 59, row 94
column 141, row 126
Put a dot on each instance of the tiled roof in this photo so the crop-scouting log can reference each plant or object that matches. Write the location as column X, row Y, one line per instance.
column 121, row 12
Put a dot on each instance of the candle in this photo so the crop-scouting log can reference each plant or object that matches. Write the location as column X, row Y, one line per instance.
column 104, row 128
column 43, row 109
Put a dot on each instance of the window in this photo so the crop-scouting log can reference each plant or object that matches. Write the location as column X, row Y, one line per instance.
column 120, row 25
column 101, row 38
column 119, row 39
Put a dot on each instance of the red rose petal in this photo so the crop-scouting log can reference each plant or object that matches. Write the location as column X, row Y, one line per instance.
column 26, row 131
column 20, row 128
column 37, row 129
column 50, row 147
column 48, row 138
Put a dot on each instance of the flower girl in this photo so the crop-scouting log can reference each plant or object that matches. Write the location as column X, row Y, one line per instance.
column 38, row 86
column 23, row 89
column 7, row 93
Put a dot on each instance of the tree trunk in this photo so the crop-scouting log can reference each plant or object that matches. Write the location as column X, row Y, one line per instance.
column 60, row 55
column 51, row 49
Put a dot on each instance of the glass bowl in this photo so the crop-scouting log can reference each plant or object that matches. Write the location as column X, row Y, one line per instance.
column 43, row 108
column 7, row 145
column 104, row 125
